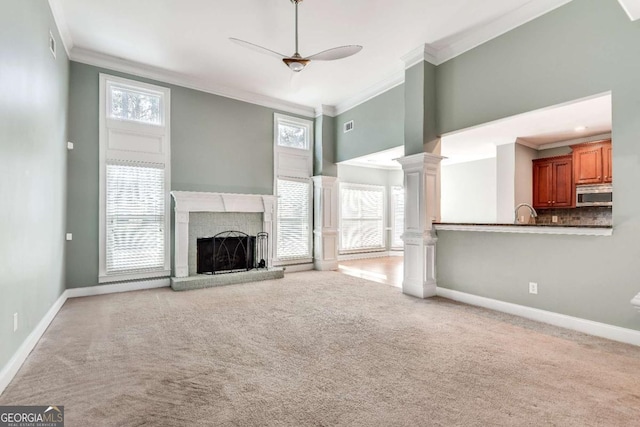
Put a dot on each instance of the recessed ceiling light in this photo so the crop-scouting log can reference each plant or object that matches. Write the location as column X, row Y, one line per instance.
column 580, row 128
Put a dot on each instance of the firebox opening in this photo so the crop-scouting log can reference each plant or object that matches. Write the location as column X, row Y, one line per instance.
column 231, row 251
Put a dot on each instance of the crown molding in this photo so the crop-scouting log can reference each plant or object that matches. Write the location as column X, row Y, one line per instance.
column 63, row 27
column 371, row 92
column 451, row 47
column 425, row 52
column 632, row 7
column 575, row 141
column 125, row 66
column 326, row 110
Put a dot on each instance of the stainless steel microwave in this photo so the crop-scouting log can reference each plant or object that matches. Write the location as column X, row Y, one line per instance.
column 594, row 195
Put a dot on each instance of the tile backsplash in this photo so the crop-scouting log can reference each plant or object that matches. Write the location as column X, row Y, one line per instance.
column 576, row 216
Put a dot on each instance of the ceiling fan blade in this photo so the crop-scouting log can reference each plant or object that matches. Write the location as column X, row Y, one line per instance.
column 257, row 48
column 336, row 53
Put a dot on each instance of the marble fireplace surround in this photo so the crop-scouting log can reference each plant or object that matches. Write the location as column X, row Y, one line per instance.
column 187, row 202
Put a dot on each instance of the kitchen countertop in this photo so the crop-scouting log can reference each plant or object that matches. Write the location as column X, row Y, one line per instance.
column 582, row 230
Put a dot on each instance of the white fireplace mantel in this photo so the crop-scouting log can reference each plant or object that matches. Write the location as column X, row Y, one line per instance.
column 191, row 201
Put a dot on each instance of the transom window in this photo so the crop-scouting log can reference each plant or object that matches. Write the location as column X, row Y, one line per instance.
column 136, row 105
column 292, row 132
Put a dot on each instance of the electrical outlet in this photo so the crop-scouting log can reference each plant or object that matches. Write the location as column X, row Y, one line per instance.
column 533, row 288
column 521, row 219
column 15, row 322
column 554, row 218
column 69, row 145
column 69, row 236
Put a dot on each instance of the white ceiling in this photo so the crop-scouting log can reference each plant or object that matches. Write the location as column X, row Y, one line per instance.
column 538, row 129
column 190, row 38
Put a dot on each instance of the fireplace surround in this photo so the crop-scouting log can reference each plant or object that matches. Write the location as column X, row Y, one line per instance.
column 189, row 202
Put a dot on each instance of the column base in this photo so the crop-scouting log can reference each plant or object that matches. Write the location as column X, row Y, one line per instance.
column 419, row 290
column 321, row 265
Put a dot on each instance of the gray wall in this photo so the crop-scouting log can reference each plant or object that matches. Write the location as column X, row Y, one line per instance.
column 217, row 144
column 325, row 146
column 33, row 159
column 469, row 191
column 378, row 126
column 583, row 48
column 420, row 106
column 372, row 176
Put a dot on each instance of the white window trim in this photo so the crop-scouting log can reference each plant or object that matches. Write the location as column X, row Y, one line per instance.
column 382, row 248
column 283, row 170
column 139, row 158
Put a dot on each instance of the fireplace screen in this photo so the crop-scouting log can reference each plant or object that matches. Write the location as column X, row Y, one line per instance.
column 231, row 251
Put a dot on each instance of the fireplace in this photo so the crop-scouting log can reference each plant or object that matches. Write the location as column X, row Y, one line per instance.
column 207, row 216
column 231, row 251
column 199, row 215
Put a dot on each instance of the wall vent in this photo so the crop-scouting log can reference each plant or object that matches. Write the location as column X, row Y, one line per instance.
column 52, row 44
column 348, row 127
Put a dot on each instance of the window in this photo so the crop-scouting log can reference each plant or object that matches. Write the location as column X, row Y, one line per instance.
column 292, row 132
column 135, row 218
column 293, row 219
column 126, row 103
column 134, row 180
column 293, row 165
column 397, row 212
column 361, row 217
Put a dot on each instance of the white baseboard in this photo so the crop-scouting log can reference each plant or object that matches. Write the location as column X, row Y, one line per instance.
column 294, row 268
column 15, row 363
column 615, row 333
column 118, row 287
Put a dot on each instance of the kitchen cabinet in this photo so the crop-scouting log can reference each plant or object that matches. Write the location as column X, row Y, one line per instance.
column 592, row 163
column 553, row 182
column 607, row 170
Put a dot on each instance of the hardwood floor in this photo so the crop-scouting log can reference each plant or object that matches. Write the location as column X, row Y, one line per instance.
column 387, row 270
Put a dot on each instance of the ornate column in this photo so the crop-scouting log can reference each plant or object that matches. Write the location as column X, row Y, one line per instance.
column 422, row 208
column 325, row 222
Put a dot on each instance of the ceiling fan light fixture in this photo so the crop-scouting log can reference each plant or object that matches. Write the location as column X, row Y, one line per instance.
column 296, row 64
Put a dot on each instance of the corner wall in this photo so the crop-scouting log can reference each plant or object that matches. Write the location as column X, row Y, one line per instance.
column 33, row 174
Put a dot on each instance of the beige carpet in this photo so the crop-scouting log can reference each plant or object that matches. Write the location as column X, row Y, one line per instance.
column 320, row 349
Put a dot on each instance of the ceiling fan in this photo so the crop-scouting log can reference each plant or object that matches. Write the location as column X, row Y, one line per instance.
column 297, row 62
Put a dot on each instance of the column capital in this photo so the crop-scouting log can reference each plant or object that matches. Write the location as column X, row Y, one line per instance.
column 416, row 160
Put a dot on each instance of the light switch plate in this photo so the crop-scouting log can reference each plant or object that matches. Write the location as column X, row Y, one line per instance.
column 69, row 236
column 69, row 145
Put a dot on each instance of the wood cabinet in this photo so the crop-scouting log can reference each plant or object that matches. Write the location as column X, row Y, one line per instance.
column 592, row 163
column 553, row 182
column 607, row 170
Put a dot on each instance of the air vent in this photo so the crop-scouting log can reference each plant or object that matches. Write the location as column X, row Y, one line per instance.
column 348, row 127
column 52, row 44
